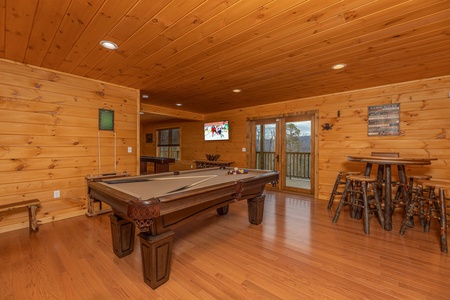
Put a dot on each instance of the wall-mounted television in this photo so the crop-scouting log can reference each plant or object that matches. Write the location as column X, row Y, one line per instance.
column 217, row 131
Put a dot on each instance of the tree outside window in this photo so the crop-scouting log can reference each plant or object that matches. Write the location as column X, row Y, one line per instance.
column 169, row 143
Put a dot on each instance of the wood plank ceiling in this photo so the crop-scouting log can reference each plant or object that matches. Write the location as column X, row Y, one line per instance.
column 195, row 52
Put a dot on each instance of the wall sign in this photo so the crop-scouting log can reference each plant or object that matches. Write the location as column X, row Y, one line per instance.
column 384, row 120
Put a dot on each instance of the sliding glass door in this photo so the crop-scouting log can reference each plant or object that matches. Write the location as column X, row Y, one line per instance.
column 286, row 145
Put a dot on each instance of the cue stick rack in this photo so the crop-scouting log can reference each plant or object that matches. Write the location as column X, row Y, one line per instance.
column 99, row 154
column 91, row 203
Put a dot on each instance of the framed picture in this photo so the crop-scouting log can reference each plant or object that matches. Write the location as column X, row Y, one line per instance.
column 105, row 119
column 149, row 138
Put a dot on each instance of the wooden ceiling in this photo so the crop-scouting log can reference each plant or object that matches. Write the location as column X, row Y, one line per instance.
column 195, row 52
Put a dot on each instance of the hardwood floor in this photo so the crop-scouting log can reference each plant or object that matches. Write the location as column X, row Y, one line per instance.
column 296, row 253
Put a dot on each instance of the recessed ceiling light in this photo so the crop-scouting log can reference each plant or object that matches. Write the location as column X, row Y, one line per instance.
column 179, row 104
column 141, row 112
column 338, row 66
column 144, row 96
column 236, row 90
column 109, row 45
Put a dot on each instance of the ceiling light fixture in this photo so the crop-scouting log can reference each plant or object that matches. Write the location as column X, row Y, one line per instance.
column 179, row 104
column 236, row 91
column 338, row 66
column 109, row 45
column 144, row 96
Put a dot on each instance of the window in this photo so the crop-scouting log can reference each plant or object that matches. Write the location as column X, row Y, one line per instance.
column 169, row 143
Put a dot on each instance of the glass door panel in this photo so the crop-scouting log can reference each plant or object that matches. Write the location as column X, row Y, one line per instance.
column 297, row 155
column 266, row 145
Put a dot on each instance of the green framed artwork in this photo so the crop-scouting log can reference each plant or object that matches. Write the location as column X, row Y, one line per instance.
column 105, row 119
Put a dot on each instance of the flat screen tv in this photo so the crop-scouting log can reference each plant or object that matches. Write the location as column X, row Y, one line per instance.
column 217, row 131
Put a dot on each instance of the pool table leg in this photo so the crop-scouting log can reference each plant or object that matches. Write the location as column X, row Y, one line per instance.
column 122, row 232
column 223, row 210
column 156, row 254
column 256, row 209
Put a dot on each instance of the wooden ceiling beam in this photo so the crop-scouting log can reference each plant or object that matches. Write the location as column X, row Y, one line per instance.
column 170, row 112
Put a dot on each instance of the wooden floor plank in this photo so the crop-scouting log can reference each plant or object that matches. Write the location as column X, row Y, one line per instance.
column 296, row 253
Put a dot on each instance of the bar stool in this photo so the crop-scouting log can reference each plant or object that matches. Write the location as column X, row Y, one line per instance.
column 358, row 187
column 412, row 191
column 340, row 181
column 436, row 207
column 412, row 187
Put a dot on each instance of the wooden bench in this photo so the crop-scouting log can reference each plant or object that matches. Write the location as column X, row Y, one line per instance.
column 32, row 205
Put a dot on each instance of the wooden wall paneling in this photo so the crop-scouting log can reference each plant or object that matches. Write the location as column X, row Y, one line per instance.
column 37, row 183
column 57, row 82
column 424, row 128
column 49, row 136
column 2, row 28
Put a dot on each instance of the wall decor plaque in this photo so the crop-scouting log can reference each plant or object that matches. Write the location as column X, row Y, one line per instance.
column 384, row 120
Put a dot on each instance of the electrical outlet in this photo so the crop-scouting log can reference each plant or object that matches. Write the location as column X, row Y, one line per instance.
column 56, row 194
column 130, row 149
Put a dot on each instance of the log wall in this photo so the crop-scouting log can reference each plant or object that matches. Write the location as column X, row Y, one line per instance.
column 424, row 126
column 49, row 139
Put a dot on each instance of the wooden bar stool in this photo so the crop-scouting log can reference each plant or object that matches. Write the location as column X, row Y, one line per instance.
column 340, row 181
column 358, row 187
column 412, row 187
column 412, row 191
column 437, row 207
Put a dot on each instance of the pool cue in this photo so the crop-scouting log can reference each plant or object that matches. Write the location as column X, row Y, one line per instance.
column 192, row 184
column 156, row 179
column 115, row 152
column 98, row 147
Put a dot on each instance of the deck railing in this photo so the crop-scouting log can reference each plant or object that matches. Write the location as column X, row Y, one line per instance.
column 297, row 163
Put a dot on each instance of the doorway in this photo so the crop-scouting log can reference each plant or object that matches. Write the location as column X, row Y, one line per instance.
column 286, row 144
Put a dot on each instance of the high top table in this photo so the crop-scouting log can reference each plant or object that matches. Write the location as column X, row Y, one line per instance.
column 387, row 163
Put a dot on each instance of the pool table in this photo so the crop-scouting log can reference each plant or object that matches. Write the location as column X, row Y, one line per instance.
column 158, row 203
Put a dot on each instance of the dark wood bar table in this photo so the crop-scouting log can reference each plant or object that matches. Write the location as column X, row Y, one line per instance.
column 161, row 164
column 387, row 163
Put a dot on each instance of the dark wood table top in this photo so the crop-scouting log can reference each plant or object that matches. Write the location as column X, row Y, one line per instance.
column 391, row 160
column 161, row 160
